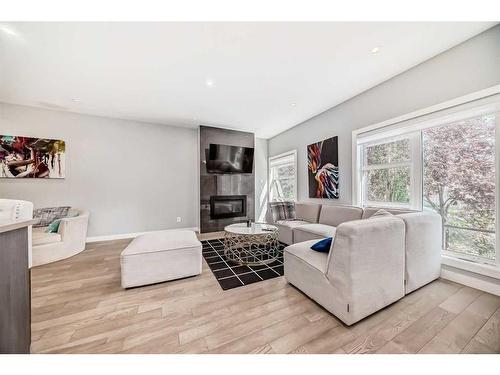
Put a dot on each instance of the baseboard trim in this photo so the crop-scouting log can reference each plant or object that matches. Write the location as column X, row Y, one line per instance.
column 131, row 235
column 471, row 279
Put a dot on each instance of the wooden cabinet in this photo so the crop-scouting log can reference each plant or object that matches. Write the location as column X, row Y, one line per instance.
column 15, row 289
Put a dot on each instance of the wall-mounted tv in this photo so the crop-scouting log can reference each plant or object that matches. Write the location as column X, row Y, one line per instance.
column 229, row 159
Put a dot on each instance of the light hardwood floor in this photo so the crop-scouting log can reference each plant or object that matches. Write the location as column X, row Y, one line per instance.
column 78, row 306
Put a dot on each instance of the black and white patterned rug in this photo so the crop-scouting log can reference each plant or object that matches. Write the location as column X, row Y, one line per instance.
column 231, row 275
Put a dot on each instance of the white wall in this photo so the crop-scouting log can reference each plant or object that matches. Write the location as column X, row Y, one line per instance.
column 131, row 176
column 466, row 68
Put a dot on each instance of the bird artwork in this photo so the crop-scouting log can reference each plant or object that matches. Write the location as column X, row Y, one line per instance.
column 323, row 169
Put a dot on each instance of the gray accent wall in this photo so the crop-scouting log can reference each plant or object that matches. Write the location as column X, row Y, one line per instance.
column 464, row 69
column 224, row 184
column 131, row 176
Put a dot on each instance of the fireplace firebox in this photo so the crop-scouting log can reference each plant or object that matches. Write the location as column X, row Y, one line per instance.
column 225, row 206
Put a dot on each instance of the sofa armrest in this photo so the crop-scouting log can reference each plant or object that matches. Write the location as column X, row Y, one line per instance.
column 423, row 248
column 367, row 264
column 73, row 230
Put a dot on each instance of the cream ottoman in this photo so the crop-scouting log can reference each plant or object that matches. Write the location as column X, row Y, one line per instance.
column 160, row 256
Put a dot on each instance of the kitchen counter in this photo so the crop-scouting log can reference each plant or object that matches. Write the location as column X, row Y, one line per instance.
column 15, row 286
column 6, row 226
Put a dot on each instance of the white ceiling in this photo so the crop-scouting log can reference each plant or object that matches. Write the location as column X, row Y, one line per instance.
column 267, row 77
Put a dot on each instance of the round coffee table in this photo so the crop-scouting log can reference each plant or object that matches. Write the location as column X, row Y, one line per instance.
column 253, row 245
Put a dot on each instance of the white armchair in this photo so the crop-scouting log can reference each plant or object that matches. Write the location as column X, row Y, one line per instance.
column 68, row 241
column 48, row 247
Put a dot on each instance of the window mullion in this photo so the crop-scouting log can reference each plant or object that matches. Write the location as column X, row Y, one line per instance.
column 416, row 172
column 276, row 181
column 497, row 183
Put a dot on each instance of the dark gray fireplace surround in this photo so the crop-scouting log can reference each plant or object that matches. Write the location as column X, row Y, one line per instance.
column 224, row 198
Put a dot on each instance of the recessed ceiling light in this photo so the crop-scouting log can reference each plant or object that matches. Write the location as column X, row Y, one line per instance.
column 294, row 104
column 375, row 50
column 210, row 82
column 7, row 30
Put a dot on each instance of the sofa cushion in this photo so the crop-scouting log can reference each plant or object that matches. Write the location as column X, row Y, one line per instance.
column 47, row 215
column 307, row 211
column 369, row 211
column 41, row 237
column 323, row 246
column 335, row 215
column 285, row 229
column 54, row 226
column 312, row 232
column 291, row 223
column 282, row 211
column 319, row 229
column 381, row 213
column 302, row 251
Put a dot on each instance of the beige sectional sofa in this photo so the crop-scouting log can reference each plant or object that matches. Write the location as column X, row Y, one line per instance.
column 372, row 263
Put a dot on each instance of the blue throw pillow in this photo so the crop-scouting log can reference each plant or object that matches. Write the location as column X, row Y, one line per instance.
column 323, row 246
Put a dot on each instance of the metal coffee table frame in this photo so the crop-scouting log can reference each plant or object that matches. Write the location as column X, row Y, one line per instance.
column 252, row 249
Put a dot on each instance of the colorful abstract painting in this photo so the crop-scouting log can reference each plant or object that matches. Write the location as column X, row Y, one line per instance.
column 25, row 157
column 323, row 169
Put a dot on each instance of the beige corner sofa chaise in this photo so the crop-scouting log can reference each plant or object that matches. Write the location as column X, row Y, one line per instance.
column 372, row 262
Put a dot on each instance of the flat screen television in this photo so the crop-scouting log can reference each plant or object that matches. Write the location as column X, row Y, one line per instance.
column 229, row 159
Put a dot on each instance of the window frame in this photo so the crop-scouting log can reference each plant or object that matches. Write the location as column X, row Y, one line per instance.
column 414, row 163
column 274, row 161
column 473, row 105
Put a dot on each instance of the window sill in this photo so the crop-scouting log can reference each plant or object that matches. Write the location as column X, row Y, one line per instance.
column 467, row 265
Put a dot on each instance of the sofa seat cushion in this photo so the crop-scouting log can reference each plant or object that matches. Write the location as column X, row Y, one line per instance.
column 319, row 229
column 291, row 223
column 41, row 237
column 312, row 232
column 303, row 252
column 285, row 229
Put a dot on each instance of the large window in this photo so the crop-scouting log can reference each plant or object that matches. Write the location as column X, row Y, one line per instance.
column 447, row 165
column 459, row 184
column 283, row 177
column 387, row 172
